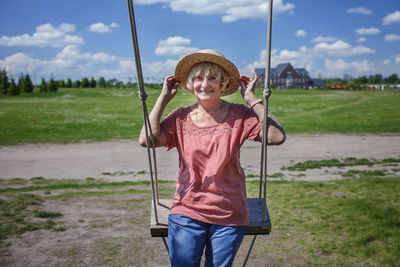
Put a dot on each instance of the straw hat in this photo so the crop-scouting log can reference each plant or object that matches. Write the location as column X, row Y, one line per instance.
column 208, row 55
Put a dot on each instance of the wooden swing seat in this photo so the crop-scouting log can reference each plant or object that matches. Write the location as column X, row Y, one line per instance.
column 257, row 225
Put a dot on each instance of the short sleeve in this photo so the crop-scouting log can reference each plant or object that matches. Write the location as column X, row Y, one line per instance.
column 251, row 126
column 168, row 127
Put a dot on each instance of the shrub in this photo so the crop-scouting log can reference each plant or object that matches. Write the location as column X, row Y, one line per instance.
column 52, row 85
column 13, row 89
column 43, row 86
column 3, row 82
column 27, row 85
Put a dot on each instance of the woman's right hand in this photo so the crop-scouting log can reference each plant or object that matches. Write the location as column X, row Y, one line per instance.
column 168, row 91
column 170, row 87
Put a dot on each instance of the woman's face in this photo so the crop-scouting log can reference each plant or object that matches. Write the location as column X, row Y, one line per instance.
column 206, row 87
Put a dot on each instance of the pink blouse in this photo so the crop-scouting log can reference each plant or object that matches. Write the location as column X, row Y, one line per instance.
column 211, row 183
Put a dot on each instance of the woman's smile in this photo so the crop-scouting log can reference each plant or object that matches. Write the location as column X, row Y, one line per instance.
column 206, row 91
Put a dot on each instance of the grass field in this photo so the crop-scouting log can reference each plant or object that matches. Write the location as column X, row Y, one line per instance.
column 350, row 222
column 73, row 115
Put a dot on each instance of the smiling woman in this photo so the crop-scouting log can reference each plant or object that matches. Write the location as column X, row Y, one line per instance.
column 210, row 208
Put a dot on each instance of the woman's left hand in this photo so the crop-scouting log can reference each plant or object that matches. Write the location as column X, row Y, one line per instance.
column 248, row 85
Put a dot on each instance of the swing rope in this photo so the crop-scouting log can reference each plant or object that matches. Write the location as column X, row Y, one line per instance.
column 266, row 93
column 264, row 146
column 151, row 153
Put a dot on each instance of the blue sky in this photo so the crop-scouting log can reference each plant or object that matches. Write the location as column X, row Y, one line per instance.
column 83, row 38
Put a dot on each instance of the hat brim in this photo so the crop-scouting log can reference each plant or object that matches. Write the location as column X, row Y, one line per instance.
column 183, row 68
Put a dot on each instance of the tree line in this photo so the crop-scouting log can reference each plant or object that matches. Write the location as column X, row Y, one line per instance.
column 101, row 82
column 363, row 81
column 378, row 79
column 8, row 85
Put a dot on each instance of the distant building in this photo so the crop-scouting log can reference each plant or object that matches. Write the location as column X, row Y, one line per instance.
column 285, row 76
column 316, row 84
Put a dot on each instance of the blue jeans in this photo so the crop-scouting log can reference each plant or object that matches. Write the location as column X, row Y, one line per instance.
column 187, row 239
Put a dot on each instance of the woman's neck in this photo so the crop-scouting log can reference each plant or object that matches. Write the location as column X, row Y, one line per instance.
column 208, row 115
column 211, row 107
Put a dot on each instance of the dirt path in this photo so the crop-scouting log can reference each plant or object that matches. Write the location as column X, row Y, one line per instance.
column 126, row 160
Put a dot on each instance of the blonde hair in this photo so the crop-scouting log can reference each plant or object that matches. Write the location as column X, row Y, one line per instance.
column 207, row 68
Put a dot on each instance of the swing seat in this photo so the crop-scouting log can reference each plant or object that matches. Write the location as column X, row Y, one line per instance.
column 257, row 225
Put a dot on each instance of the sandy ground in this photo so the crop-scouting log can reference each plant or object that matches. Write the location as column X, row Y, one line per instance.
column 126, row 160
column 114, row 230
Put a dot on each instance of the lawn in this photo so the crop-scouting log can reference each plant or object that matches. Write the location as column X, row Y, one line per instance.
column 73, row 115
column 350, row 222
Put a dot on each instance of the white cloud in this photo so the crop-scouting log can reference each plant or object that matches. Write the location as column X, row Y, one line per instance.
column 360, row 10
column 386, row 61
column 341, row 48
column 99, row 27
column 114, row 25
column 336, row 46
column 286, row 55
column 160, row 68
column 301, row 33
column 153, row 72
column 175, row 40
column 65, row 27
column 21, row 63
column 392, row 37
column 229, row 10
column 72, row 56
column 45, row 35
column 70, row 61
column 391, row 18
column 176, row 46
column 103, row 57
column 303, row 58
column 397, row 59
column 320, row 39
column 340, row 66
column 318, row 59
column 358, row 50
column 367, row 31
column 361, row 40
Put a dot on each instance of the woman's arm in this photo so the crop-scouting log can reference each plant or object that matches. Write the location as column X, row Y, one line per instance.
column 168, row 92
column 276, row 134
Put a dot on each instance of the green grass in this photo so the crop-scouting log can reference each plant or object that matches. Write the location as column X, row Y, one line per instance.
column 14, row 216
column 364, row 173
column 351, row 222
column 317, row 164
column 350, row 112
column 46, row 214
column 348, row 222
column 72, row 115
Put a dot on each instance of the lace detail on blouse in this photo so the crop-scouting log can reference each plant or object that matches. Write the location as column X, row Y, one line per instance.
column 229, row 125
